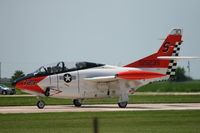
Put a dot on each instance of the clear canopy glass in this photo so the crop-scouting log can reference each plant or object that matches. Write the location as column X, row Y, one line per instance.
column 65, row 67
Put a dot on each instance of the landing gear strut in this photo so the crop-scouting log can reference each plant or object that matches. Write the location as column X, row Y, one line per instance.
column 40, row 104
column 77, row 102
column 123, row 100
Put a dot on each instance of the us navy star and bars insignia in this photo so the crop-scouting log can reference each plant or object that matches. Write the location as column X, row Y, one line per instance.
column 67, row 78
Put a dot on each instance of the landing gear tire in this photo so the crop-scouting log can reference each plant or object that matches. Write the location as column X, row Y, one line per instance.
column 40, row 104
column 122, row 104
column 77, row 102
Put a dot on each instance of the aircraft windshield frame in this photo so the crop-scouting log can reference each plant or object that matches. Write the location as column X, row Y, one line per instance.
column 61, row 67
column 39, row 70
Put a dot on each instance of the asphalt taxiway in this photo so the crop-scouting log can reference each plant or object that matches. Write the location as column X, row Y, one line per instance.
column 98, row 108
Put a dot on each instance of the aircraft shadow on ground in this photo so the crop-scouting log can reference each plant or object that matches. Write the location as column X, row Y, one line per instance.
column 114, row 107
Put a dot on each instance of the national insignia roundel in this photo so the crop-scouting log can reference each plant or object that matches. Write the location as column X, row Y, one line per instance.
column 67, row 78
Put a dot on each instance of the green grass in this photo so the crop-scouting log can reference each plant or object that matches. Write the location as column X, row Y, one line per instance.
column 19, row 101
column 109, row 122
column 167, row 86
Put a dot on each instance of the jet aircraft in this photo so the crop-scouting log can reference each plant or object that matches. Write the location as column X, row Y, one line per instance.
column 87, row 80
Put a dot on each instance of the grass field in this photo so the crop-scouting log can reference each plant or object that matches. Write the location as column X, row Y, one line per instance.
column 18, row 101
column 109, row 122
column 167, row 86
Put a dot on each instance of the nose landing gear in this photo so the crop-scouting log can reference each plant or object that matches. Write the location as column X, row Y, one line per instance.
column 40, row 104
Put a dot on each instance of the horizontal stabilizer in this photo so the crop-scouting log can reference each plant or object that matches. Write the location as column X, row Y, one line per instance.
column 176, row 57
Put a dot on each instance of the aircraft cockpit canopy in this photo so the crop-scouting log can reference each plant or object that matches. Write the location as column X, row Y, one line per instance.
column 61, row 67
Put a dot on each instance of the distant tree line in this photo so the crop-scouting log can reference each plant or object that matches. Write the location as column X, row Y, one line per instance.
column 17, row 74
column 180, row 75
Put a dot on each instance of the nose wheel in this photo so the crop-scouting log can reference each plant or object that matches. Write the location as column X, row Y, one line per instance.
column 40, row 104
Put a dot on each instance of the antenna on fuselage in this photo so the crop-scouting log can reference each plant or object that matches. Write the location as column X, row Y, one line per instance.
column 188, row 67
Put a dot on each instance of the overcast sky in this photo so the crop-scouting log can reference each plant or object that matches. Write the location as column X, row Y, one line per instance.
column 116, row 32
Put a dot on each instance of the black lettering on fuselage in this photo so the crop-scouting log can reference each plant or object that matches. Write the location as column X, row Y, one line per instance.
column 149, row 62
column 29, row 82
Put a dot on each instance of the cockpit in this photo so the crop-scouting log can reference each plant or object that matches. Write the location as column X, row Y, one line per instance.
column 61, row 67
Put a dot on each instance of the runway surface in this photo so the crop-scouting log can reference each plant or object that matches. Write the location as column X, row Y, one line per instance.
column 98, row 108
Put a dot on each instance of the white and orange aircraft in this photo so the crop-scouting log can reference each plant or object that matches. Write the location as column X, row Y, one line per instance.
column 86, row 80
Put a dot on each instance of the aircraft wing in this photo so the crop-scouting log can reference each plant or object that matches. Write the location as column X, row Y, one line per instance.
column 102, row 79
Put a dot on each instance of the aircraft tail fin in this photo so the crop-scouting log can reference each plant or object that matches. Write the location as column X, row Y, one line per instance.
column 170, row 47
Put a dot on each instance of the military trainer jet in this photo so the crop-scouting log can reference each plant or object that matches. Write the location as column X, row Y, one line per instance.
column 87, row 80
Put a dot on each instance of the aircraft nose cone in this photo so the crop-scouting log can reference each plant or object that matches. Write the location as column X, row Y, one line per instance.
column 16, row 81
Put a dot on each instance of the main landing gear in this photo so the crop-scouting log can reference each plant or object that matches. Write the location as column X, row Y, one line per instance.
column 122, row 104
column 77, row 102
column 123, row 100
